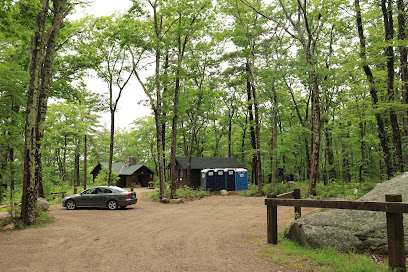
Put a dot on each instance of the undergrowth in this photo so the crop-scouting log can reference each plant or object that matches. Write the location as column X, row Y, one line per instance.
column 184, row 193
column 331, row 190
column 42, row 218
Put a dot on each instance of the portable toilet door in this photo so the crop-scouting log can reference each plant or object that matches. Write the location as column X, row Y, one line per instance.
column 241, row 179
column 208, row 180
column 219, row 179
column 230, row 179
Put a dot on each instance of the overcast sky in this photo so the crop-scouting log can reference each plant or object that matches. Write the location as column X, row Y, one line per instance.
column 128, row 108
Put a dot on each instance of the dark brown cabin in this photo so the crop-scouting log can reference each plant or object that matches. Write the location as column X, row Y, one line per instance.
column 198, row 164
column 131, row 174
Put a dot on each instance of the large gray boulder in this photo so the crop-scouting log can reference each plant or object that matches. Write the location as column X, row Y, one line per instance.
column 350, row 229
column 43, row 204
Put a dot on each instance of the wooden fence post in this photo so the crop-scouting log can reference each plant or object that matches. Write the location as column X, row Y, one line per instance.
column 395, row 236
column 272, row 222
column 298, row 210
column 75, row 190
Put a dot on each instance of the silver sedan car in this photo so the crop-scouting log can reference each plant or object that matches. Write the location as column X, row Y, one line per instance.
column 111, row 197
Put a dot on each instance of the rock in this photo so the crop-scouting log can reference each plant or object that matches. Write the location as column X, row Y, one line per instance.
column 224, row 192
column 351, row 229
column 4, row 214
column 42, row 204
column 165, row 200
column 175, row 201
column 10, row 226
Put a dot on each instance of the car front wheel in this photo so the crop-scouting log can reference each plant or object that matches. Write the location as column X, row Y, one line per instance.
column 112, row 205
column 70, row 204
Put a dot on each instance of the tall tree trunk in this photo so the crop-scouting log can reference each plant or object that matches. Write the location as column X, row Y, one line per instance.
column 158, row 107
column 193, row 132
column 166, row 66
column 111, row 143
column 76, row 166
column 314, row 174
column 274, row 135
column 85, row 159
column 180, row 55
column 389, row 53
column 370, row 78
column 11, row 160
column 173, row 148
column 251, row 61
column 243, row 141
column 251, row 124
column 402, row 35
column 42, row 52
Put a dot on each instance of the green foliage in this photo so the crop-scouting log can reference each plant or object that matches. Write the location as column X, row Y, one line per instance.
column 102, row 177
column 344, row 189
column 187, row 193
column 184, row 193
column 278, row 189
column 252, row 191
column 42, row 218
column 333, row 189
column 324, row 259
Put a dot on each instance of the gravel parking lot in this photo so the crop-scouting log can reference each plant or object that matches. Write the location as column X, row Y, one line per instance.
column 210, row 234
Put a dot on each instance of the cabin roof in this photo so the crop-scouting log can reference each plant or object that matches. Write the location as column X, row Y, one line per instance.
column 123, row 170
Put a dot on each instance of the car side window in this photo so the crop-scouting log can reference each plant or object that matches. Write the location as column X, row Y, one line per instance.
column 102, row 191
column 108, row 191
column 89, row 191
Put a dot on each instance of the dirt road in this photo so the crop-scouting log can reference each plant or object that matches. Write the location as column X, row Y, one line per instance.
column 210, row 234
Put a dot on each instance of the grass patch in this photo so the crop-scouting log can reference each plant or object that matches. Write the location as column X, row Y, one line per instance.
column 295, row 256
column 41, row 220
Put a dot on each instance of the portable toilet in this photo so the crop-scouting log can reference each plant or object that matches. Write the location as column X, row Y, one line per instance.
column 229, row 179
column 219, row 179
column 208, row 180
column 241, row 179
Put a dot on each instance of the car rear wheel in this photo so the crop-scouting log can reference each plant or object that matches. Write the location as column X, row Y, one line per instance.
column 70, row 204
column 112, row 205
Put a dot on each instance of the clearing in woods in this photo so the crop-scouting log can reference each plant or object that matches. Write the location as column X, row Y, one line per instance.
column 209, row 234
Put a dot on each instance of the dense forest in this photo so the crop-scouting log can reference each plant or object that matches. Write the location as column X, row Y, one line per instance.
column 295, row 90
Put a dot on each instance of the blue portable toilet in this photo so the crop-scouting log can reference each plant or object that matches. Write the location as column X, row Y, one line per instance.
column 208, row 179
column 229, row 179
column 241, row 179
column 219, row 179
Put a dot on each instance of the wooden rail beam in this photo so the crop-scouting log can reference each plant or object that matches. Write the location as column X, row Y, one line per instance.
column 272, row 222
column 392, row 206
column 378, row 206
column 395, row 236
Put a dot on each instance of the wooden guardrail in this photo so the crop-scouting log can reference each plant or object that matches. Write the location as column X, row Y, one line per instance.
column 59, row 193
column 392, row 206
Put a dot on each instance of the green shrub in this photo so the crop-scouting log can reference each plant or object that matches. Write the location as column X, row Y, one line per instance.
column 103, row 177
column 189, row 193
column 278, row 189
column 184, row 193
column 252, row 191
